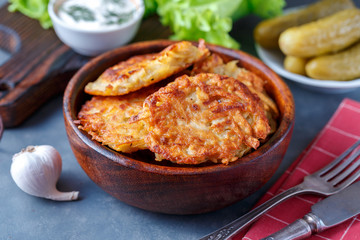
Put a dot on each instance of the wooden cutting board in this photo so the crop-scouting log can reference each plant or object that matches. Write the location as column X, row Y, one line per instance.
column 43, row 65
column 38, row 70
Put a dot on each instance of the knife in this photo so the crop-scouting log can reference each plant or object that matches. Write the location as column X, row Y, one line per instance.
column 325, row 214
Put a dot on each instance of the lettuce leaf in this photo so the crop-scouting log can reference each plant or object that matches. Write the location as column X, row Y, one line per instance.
column 212, row 20
column 194, row 19
column 266, row 9
column 150, row 7
column 36, row 9
column 261, row 8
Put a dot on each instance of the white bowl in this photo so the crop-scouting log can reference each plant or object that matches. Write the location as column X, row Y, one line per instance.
column 275, row 58
column 94, row 41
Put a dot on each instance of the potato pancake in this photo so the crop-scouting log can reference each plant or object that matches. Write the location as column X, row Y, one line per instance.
column 106, row 119
column 206, row 117
column 215, row 64
column 125, row 77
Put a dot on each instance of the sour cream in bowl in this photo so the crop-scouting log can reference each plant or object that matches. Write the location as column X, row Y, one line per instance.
column 92, row 27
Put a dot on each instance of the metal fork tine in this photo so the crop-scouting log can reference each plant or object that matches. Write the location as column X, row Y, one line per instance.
column 349, row 181
column 338, row 159
column 348, row 171
column 341, row 167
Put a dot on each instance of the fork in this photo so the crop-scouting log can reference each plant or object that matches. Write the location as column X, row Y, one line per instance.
column 329, row 180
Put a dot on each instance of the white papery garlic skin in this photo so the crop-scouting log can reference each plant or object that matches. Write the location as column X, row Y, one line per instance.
column 36, row 170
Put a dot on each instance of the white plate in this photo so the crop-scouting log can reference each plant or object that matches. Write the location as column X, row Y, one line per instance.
column 274, row 59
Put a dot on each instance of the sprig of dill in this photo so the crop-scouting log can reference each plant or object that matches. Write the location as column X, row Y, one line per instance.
column 78, row 13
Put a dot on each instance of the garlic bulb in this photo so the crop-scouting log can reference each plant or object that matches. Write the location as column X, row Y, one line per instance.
column 36, row 170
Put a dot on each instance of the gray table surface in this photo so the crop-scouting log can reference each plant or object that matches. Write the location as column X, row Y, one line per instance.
column 98, row 215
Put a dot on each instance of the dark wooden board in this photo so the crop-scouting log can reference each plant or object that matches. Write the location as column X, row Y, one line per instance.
column 39, row 70
column 43, row 65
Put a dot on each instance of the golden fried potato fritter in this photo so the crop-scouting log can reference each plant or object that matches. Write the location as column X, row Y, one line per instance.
column 106, row 120
column 126, row 77
column 215, row 64
column 206, row 117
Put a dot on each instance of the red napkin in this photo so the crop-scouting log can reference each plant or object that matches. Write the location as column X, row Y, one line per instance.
column 340, row 132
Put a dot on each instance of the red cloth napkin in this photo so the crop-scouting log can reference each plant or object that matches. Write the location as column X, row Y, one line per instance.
column 340, row 132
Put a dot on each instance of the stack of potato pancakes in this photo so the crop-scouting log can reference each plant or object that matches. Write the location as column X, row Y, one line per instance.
column 185, row 104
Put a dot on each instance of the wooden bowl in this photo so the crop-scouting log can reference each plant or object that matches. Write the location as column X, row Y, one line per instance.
column 138, row 180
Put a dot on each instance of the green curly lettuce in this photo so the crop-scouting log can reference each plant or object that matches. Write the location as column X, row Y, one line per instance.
column 261, row 8
column 212, row 20
column 150, row 7
column 36, row 9
column 268, row 8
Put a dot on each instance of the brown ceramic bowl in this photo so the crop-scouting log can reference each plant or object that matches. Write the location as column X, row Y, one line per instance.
column 139, row 181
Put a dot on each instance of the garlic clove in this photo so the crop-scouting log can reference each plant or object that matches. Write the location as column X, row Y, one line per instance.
column 36, row 170
column 63, row 196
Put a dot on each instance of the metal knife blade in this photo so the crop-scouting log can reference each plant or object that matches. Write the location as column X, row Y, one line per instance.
column 325, row 214
column 339, row 207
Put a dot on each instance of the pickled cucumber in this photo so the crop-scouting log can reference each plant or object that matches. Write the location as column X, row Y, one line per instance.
column 268, row 31
column 329, row 34
column 295, row 64
column 340, row 66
